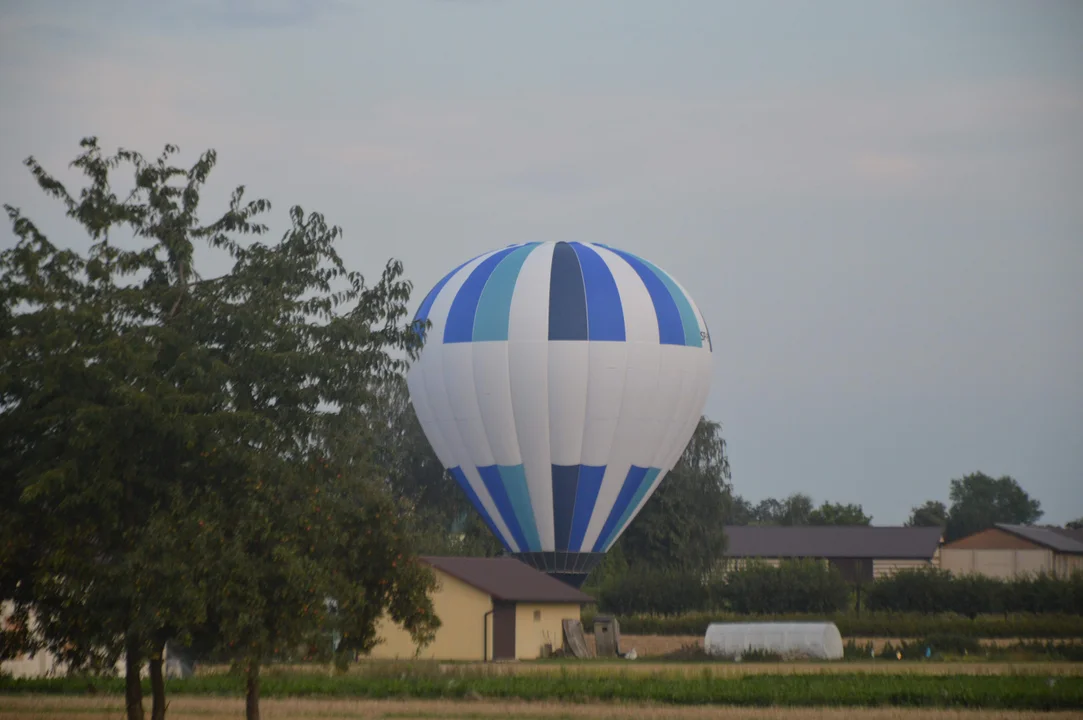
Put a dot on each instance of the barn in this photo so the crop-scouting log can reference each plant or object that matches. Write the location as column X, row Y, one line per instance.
column 1005, row 551
column 861, row 552
column 490, row 609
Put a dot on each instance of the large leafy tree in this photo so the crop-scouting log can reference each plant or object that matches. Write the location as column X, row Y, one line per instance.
column 90, row 423
column 793, row 510
column 680, row 527
column 932, row 514
column 839, row 514
column 978, row 501
column 165, row 435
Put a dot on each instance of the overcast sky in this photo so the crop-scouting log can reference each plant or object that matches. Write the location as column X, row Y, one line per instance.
column 877, row 206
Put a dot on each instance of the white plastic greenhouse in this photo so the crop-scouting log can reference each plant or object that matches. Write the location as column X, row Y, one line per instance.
column 820, row 641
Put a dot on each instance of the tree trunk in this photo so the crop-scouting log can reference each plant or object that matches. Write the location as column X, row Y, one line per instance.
column 133, row 690
column 251, row 691
column 157, row 685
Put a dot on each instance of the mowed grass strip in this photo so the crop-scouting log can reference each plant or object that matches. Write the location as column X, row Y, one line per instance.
column 1006, row 692
column 54, row 708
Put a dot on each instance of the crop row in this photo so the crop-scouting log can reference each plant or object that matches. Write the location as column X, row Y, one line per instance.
column 891, row 625
column 974, row 691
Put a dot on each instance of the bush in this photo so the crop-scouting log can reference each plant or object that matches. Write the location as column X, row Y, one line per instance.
column 661, row 592
column 934, row 591
column 805, row 586
column 794, row 586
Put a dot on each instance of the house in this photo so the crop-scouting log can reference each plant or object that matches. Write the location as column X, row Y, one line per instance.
column 861, row 552
column 1006, row 551
column 490, row 609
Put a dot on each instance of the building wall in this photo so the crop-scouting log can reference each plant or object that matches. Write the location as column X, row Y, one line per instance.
column 538, row 624
column 880, row 568
column 998, row 563
column 730, row 564
column 1066, row 565
column 461, row 608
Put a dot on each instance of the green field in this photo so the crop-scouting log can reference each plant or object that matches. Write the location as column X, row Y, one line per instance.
column 693, row 686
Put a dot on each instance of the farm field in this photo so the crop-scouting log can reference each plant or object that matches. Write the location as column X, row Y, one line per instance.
column 54, row 708
column 702, row 685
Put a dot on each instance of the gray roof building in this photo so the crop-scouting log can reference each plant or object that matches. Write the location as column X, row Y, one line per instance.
column 832, row 542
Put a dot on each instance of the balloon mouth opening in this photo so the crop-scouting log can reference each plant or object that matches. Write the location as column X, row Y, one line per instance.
column 571, row 568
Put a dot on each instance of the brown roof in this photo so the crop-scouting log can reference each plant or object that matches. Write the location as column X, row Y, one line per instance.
column 831, row 541
column 1059, row 539
column 506, row 578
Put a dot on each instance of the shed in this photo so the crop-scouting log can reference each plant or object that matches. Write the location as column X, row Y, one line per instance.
column 490, row 609
column 861, row 552
column 1006, row 551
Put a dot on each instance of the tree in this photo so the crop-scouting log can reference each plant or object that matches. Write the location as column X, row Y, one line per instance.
column 88, row 416
column 793, row 510
column 839, row 514
column 739, row 511
column 168, row 436
column 979, row 501
column 1076, row 524
column 932, row 514
column 679, row 528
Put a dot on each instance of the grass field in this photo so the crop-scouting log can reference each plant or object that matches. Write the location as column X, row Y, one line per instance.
column 600, row 682
column 55, row 708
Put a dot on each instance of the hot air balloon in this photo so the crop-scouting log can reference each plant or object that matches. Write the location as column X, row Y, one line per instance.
column 559, row 382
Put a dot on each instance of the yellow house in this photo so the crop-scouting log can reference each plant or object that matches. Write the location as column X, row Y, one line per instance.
column 490, row 609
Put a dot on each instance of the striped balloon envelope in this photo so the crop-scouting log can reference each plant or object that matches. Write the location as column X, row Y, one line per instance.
column 558, row 383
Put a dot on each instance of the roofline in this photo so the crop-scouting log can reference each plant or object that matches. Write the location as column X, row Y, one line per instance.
column 588, row 599
column 832, row 557
column 1010, row 529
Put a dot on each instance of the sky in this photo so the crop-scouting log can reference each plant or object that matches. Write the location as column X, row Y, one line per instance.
column 878, row 207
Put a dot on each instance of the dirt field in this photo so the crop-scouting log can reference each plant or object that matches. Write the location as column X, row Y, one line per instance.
column 54, row 708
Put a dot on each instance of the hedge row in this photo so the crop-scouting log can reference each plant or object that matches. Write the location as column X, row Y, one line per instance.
column 931, row 590
column 1008, row 692
column 890, row 625
column 795, row 586
column 808, row 586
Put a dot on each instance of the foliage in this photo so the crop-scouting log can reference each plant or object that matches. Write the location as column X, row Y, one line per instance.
column 678, row 529
column 839, row 514
column 932, row 514
column 868, row 624
column 932, row 591
column 793, row 510
column 792, row 586
column 797, row 509
column 654, row 591
column 99, row 423
column 172, row 444
column 979, row 501
column 1021, row 692
column 1076, row 524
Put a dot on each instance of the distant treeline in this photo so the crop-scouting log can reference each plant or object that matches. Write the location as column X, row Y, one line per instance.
column 809, row 586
